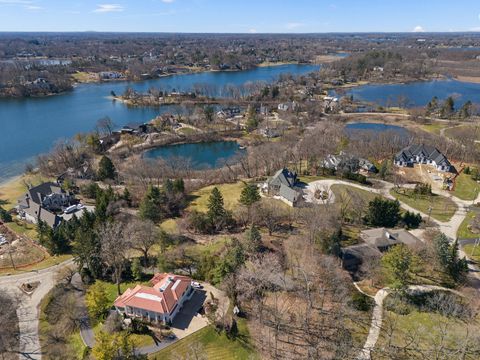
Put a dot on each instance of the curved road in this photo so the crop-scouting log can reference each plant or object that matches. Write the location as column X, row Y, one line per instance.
column 27, row 310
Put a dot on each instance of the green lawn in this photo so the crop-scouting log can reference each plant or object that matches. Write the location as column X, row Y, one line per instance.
column 213, row 345
column 472, row 253
column 230, row 192
column 442, row 208
column 463, row 231
column 346, row 192
column 14, row 189
column 23, row 228
column 466, row 188
column 434, row 128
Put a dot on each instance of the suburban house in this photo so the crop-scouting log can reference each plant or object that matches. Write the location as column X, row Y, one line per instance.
column 344, row 161
column 283, row 186
column 43, row 202
column 383, row 238
column 376, row 241
column 160, row 302
column 423, row 154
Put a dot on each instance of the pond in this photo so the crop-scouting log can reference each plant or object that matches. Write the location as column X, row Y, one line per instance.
column 374, row 128
column 416, row 93
column 204, row 155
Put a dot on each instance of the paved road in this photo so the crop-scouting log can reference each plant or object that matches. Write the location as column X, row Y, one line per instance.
column 27, row 311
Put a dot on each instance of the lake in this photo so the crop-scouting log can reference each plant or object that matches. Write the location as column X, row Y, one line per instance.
column 31, row 126
column 204, row 155
column 417, row 93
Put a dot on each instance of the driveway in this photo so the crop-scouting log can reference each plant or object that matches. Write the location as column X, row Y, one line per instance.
column 27, row 310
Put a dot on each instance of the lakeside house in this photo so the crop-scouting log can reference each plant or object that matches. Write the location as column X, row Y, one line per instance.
column 158, row 303
column 423, row 154
column 283, row 185
column 49, row 203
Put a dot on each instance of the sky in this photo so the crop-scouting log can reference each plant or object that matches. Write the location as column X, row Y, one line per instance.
column 240, row 16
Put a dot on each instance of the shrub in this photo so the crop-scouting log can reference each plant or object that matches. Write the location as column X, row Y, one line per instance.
column 361, row 301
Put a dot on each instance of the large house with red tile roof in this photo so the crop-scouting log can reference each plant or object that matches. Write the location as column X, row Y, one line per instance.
column 159, row 302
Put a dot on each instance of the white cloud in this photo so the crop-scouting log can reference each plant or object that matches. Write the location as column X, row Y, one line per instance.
column 475, row 29
column 168, row 1
column 33, row 7
column 15, row 2
column 252, row 31
column 293, row 25
column 106, row 8
column 418, row 28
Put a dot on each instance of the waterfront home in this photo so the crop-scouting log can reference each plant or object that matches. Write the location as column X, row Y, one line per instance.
column 423, row 154
column 43, row 202
column 283, row 186
column 159, row 303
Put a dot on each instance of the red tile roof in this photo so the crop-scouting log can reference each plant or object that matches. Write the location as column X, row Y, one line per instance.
column 161, row 298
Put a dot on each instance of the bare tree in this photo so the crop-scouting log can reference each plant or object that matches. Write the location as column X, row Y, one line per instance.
column 143, row 235
column 115, row 246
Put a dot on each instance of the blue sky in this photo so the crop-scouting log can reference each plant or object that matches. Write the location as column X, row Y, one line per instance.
column 243, row 16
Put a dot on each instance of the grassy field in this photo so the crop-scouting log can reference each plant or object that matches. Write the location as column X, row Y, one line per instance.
column 16, row 187
column 466, row 188
column 434, row 128
column 230, row 192
column 472, row 253
column 213, row 345
column 425, row 327
column 344, row 191
column 463, row 231
column 442, row 208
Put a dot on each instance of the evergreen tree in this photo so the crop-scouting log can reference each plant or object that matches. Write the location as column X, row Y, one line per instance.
column 216, row 211
column 254, row 240
column 106, row 169
column 151, row 205
column 331, row 245
column 383, row 212
column 137, row 270
column 127, row 197
column 179, row 186
column 383, row 170
column 249, row 195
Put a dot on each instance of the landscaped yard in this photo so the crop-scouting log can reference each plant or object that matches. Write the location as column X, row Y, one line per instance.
column 434, row 128
column 12, row 190
column 442, row 208
column 473, row 252
column 463, row 231
column 466, row 188
column 230, row 193
column 213, row 345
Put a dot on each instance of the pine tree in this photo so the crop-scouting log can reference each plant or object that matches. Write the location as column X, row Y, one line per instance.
column 137, row 269
column 216, row 210
column 150, row 206
column 249, row 195
column 254, row 240
column 106, row 169
column 179, row 186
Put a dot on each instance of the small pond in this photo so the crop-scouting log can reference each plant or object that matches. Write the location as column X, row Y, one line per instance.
column 204, row 155
column 364, row 127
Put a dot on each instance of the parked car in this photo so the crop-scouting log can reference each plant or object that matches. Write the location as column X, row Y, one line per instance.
column 197, row 285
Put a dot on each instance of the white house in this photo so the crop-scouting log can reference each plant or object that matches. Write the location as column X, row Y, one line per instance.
column 159, row 303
